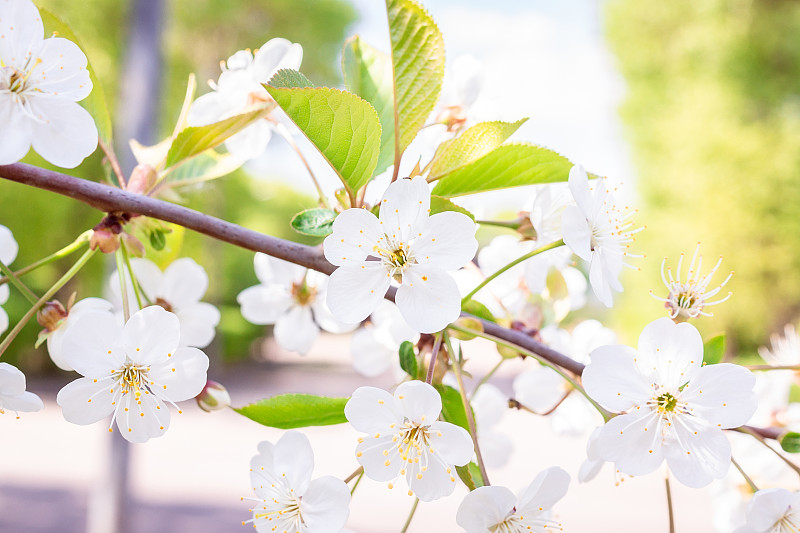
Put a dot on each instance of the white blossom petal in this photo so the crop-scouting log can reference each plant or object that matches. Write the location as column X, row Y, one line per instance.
column 547, row 488
column 354, row 291
column 184, row 283
column 419, row 402
column 447, row 241
column 262, row 304
column 577, row 232
column 428, row 299
column 139, row 421
column 355, row 233
column 722, row 394
column 198, row 322
column 151, row 334
column 674, row 350
column 65, row 134
column 293, row 458
column 452, row 442
column 371, row 357
column 326, row 505
column 699, row 454
column 92, row 345
column 405, row 208
column 271, row 270
column 181, row 376
column 8, row 247
column 613, row 378
column 296, row 330
column 633, row 442
column 86, row 400
column 372, row 410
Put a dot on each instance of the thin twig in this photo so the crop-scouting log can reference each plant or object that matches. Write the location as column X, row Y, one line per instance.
column 358, row 471
column 15, row 281
column 82, row 240
column 669, row 505
column 744, row 475
column 410, row 516
column 437, row 345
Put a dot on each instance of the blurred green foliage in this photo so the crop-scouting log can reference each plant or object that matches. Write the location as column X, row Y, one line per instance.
column 713, row 114
column 198, row 34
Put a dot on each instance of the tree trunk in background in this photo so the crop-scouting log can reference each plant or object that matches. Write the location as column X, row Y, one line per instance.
column 137, row 118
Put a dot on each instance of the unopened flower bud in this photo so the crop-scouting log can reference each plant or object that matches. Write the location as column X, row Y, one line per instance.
column 525, row 227
column 453, row 117
column 51, row 315
column 467, row 322
column 142, row 179
column 213, row 397
column 104, row 239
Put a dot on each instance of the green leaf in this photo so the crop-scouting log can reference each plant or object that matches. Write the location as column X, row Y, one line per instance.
column 452, row 406
column 408, row 359
column 440, row 205
column 509, row 165
column 343, row 127
column 158, row 240
column 714, row 350
column 203, row 167
column 316, row 222
column 289, row 411
column 368, row 73
column 479, row 310
column 474, row 143
column 470, row 474
column 790, row 442
column 95, row 103
column 197, row 139
column 287, row 78
column 417, row 65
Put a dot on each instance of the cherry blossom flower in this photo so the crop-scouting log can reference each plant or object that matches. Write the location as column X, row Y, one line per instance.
column 674, row 408
column 462, row 85
column 689, row 298
column 496, row 509
column 239, row 88
column 130, row 371
column 41, row 81
column 406, row 439
column 55, row 334
column 772, row 511
column 178, row 290
column 292, row 298
column 13, row 396
column 413, row 248
column 597, row 230
column 287, row 498
column 375, row 347
column 785, row 350
column 8, row 252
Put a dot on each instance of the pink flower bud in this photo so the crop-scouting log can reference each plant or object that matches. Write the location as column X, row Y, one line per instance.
column 51, row 315
column 213, row 397
column 105, row 239
column 142, row 179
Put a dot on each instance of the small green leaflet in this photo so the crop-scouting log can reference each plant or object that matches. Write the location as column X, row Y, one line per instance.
column 714, row 350
column 408, row 359
column 508, row 165
column 368, row 73
column 440, row 205
column 790, row 442
column 470, row 474
column 474, row 143
column 316, row 222
column 479, row 310
column 344, row 128
column 452, row 406
column 95, row 103
column 289, row 411
column 417, row 65
column 195, row 140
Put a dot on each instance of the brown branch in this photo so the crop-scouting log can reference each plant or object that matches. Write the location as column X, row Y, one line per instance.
column 110, row 199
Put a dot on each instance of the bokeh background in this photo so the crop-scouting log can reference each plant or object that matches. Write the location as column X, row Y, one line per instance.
column 692, row 107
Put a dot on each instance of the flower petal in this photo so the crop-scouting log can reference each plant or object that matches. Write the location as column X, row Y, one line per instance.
column 447, row 241
column 768, row 506
column 698, row 454
column 85, row 400
column 92, row 344
column 296, row 330
column 139, row 421
column 354, row 291
column 198, row 322
column 325, row 505
column 8, row 246
column 62, row 70
column 16, row 133
column 151, row 334
column 484, row 508
column 371, row 357
column 675, row 351
column 452, row 443
column 22, row 29
column 577, row 232
column 3, row 320
column 547, row 488
column 600, row 278
column 27, row 402
column 184, row 283
column 271, row 270
column 372, row 410
column 613, row 378
column 633, row 442
column 722, row 394
column 181, row 376
column 419, row 402
column 65, row 133
column 539, row 388
column 405, row 208
column 294, row 460
column 579, row 187
column 264, row 304
column 379, row 457
column 355, row 233
column 275, row 54
column 428, row 299
column 12, row 380
column 437, row 481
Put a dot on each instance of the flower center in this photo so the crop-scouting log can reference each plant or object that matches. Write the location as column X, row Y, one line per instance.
column 515, row 523
column 284, row 511
column 302, row 293
column 666, row 403
column 396, row 258
column 161, row 302
column 789, row 523
column 133, row 377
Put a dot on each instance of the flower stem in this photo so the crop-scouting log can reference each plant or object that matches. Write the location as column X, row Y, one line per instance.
column 123, row 290
column 669, row 504
column 410, row 516
column 745, row 476
column 358, row 471
column 134, row 282
column 605, row 414
column 512, row 264
column 437, row 345
column 456, row 362
column 510, row 224
column 288, row 138
column 358, row 480
column 488, row 376
column 75, row 246
column 45, row 297
column 21, row 287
